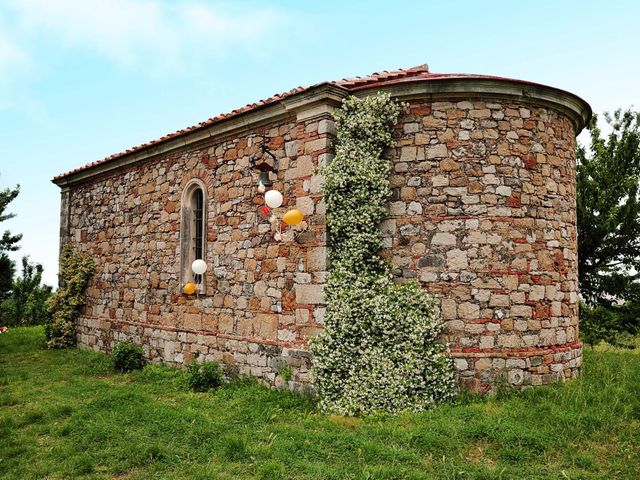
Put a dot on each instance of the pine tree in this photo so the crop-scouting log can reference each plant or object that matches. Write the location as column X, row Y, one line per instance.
column 8, row 242
column 27, row 303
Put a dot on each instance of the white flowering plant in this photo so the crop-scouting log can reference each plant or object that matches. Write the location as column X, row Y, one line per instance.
column 379, row 351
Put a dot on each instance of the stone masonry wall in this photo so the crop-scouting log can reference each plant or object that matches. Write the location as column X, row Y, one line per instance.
column 483, row 215
column 263, row 298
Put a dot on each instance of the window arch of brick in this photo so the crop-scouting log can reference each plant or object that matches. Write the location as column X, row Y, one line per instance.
column 193, row 231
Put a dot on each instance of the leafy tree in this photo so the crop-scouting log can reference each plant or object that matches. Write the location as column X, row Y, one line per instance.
column 8, row 242
column 608, row 203
column 7, row 271
column 26, row 305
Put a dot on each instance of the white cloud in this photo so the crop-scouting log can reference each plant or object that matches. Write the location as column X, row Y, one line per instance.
column 15, row 67
column 130, row 31
column 11, row 55
column 229, row 29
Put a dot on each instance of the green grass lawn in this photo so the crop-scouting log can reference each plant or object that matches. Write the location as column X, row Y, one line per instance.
column 64, row 414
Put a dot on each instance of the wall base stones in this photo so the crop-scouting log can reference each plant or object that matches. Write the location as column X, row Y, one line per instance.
column 483, row 371
column 179, row 347
column 477, row 371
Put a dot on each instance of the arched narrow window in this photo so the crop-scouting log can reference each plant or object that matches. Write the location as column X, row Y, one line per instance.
column 193, row 232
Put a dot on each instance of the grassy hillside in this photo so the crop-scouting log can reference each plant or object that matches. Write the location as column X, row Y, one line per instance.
column 64, row 414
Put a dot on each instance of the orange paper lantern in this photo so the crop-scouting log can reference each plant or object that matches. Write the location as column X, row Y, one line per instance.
column 293, row 217
column 189, row 288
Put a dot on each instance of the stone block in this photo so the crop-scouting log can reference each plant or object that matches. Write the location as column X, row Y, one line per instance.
column 498, row 300
column 411, row 127
column 291, row 149
column 503, row 190
column 398, row 208
column 192, row 321
column 304, row 167
column 461, row 364
column 515, row 376
column 414, row 208
column 266, row 326
column 315, row 145
column 305, row 205
column 448, row 309
column 414, row 181
column 464, row 105
column 537, row 292
column 449, row 165
column 440, row 181
column 309, row 294
column 327, row 126
column 408, row 154
column 521, row 311
column 483, row 364
column 317, row 259
column 437, row 151
column 487, row 341
column 457, row 260
column 443, row 238
column 468, row 310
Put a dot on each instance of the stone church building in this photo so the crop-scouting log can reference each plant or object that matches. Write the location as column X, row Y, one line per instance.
column 483, row 215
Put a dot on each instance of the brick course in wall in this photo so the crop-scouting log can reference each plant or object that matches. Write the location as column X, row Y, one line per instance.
column 482, row 215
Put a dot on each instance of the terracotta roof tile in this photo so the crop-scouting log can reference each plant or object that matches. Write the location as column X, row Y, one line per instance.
column 349, row 84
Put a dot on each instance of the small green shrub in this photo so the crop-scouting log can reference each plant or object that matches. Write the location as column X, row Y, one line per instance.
column 285, row 372
column 204, row 376
column 614, row 325
column 234, row 448
column 272, row 470
column 595, row 324
column 231, row 371
column 628, row 317
column 127, row 357
column 66, row 303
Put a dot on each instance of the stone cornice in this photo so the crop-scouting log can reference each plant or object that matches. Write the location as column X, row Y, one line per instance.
column 570, row 105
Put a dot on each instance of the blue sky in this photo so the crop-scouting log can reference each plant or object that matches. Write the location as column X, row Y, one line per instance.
column 81, row 79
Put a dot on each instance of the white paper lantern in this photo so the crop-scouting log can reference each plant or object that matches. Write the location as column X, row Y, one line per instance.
column 273, row 198
column 199, row 267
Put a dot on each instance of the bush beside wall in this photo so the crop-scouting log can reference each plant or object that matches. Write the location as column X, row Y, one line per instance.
column 66, row 303
column 379, row 350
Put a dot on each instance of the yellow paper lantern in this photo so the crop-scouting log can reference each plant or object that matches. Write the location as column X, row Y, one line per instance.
column 293, row 217
column 189, row 288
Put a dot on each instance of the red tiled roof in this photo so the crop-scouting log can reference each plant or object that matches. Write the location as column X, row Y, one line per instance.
column 349, row 84
column 384, row 76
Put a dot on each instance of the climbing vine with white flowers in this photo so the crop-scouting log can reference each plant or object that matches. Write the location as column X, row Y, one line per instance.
column 379, row 350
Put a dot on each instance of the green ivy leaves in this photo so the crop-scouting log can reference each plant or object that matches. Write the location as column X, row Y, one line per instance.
column 66, row 303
